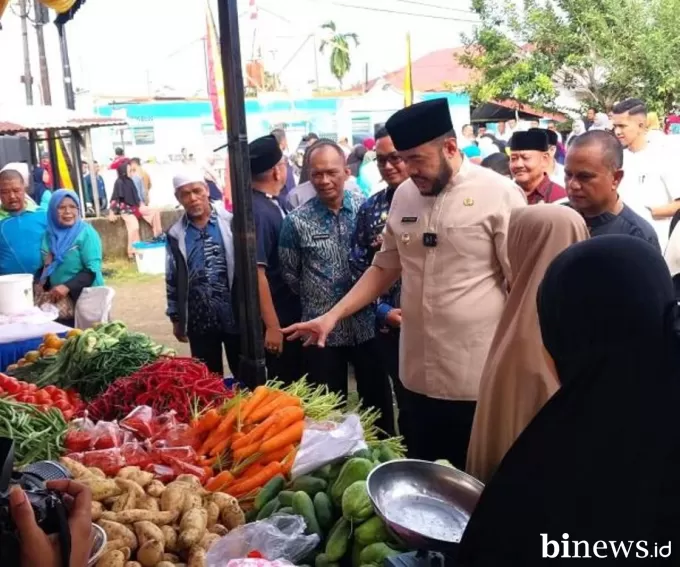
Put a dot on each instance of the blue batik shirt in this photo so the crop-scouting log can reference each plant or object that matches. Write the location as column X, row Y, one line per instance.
column 314, row 249
column 209, row 297
column 367, row 240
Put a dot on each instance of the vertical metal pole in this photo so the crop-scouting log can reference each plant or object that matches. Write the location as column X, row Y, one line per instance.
column 252, row 369
column 66, row 67
column 90, row 165
column 78, row 169
column 52, row 144
column 41, row 18
column 28, row 78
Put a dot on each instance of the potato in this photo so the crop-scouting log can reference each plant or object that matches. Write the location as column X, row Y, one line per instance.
column 115, row 530
column 114, row 544
column 133, row 564
column 126, row 501
column 94, row 471
column 148, row 531
column 170, row 538
column 148, row 503
column 224, row 500
column 77, row 470
column 171, row 557
column 207, row 540
column 196, row 557
column 233, row 517
column 150, row 553
column 191, row 500
column 155, row 488
column 130, row 486
column 213, row 511
column 97, row 510
column 190, row 479
column 127, row 553
column 165, row 564
column 132, row 516
column 112, row 559
column 173, row 497
column 137, row 475
column 192, row 528
column 101, row 488
column 218, row 529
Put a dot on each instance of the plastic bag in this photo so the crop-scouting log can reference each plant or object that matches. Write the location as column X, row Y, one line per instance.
column 326, row 442
column 80, row 436
column 135, row 455
column 140, row 421
column 253, row 562
column 276, row 538
column 109, row 461
column 107, row 435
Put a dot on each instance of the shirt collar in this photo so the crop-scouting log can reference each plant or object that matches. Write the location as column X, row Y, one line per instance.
column 211, row 220
column 346, row 203
column 543, row 187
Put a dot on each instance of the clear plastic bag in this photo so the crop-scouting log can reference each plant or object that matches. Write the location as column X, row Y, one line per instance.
column 326, row 442
column 277, row 538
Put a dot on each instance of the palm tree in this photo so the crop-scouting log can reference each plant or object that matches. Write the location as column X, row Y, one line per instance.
column 338, row 43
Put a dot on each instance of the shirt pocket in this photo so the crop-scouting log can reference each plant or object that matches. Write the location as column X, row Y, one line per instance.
column 464, row 249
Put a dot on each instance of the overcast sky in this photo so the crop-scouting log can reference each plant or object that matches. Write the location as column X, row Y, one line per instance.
column 136, row 47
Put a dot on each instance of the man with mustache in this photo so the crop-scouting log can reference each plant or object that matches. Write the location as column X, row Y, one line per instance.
column 446, row 237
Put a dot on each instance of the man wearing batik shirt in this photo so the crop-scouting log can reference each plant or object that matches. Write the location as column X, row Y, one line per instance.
column 314, row 250
column 367, row 241
column 529, row 164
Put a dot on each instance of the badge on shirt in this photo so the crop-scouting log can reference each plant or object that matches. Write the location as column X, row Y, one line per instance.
column 467, row 202
column 406, row 238
column 409, row 219
column 383, row 216
column 321, row 236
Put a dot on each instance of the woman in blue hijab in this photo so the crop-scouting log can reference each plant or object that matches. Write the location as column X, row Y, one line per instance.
column 41, row 193
column 71, row 250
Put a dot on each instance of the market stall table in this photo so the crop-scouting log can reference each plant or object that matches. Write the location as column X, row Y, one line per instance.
column 16, row 339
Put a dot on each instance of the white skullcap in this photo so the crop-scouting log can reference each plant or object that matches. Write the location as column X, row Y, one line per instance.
column 19, row 167
column 187, row 176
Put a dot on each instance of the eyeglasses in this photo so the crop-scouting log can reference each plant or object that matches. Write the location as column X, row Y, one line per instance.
column 393, row 159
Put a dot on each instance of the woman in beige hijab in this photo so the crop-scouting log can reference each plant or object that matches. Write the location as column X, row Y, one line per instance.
column 517, row 380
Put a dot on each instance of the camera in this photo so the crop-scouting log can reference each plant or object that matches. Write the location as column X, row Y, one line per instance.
column 48, row 507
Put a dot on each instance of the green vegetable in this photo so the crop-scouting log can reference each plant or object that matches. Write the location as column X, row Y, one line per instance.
column 357, row 548
column 37, row 435
column 323, row 561
column 286, row 510
column 309, row 484
column 324, row 510
column 251, row 515
column 303, row 506
column 353, row 470
column 356, row 504
column 286, row 497
column 268, row 509
column 324, row 472
column 371, row 531
column 363, row 454
column 377, row 553
column 338, row 540
column 269, row 491
column 387, row 453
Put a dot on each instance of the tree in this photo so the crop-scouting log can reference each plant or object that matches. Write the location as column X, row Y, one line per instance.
column 338, row 44
column 600, row 50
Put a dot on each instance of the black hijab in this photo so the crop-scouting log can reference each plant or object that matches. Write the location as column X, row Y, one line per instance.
column 356, row 158
column 124, row 190
column 601, row 460
column 39, row 186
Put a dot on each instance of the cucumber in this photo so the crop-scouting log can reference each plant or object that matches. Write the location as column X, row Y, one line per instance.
column 251, row 515
column 309, row 484
column 268, row 509
column 376, row 553
column 286, row 497
column 352, row 471
column 323, row 561
column 286, row 510
column 303, row 506
column 363, row 454
column 324, row 510
column 357, row 548
column 269, row 491
column 371, row 531
column 323, row 473
column 338, row 540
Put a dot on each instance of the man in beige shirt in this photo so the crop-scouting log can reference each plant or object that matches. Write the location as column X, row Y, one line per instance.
column 446, row 237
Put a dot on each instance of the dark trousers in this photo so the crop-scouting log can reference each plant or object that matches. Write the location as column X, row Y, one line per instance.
column 439, row 429
column 287, row 366
column 388, row 346
column 329, row 366
column 208, row 349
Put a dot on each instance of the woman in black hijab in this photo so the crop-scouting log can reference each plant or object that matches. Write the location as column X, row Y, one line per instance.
column 355, row 159
column 125, row 198
column 601, row 461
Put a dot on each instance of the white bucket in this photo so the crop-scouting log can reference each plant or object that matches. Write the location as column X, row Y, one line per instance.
column 150, row 257
column 16, row 294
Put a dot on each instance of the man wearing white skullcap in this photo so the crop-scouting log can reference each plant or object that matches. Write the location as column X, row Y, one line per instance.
column 200, row 275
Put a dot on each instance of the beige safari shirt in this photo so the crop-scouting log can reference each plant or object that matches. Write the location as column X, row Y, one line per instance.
column 453, row 293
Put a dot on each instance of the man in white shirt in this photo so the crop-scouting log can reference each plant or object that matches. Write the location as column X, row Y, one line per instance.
column 651, row 184
column 555, row 169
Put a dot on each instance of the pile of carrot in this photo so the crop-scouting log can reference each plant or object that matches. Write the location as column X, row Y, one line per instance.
column 252, row 440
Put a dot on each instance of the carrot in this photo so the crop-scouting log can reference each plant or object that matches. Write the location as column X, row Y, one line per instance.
column 252, row 470
column 288, row 464
column 209, row 473
column 256, row 481
column 223, row 429
column 206, row 462
column 278, row 455
column 220, row 481
column 259, row 395
column 246, row 451
column 284, row 417
column 220, row 448
column 257, row 433
column 207, row 422
column 281, row 402
column 292, row 434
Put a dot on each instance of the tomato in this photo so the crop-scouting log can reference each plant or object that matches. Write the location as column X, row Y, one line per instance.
column 51, row 389
column 68, row 415
column 63, row 406
column 29, row 400
column 31, row 388
column 12, row 387
column 42, row 397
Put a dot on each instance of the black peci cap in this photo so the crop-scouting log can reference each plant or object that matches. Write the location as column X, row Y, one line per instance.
column 265, row 153
column 534, row 139
column 419, row 124
column 552, row 137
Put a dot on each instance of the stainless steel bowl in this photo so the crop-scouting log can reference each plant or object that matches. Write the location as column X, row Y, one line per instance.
column 425, row 505
column 98, row 544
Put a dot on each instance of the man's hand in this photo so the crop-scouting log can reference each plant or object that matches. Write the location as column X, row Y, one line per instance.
column 393, row 318
column 179, row 335
column 315, row 332
column 58, row 292
column 273, row 340
column 37, row 550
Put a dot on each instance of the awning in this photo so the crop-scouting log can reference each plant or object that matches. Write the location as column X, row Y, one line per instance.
column 15, row 119
column 499, row 111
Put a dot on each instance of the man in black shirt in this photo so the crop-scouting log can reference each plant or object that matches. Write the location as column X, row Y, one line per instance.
column 593, row 171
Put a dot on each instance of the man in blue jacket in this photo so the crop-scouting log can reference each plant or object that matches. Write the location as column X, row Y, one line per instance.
column 22, row 226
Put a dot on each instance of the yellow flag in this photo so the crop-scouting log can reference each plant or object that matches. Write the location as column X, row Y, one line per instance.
column 64, row 166
column 408, row 74
column 3, row 5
